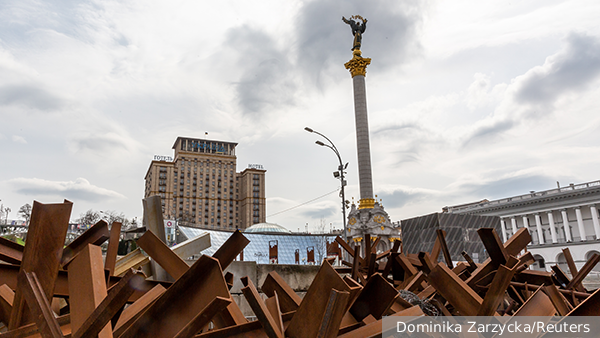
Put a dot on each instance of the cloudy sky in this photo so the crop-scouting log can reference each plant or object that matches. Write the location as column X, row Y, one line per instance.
column 467, row 99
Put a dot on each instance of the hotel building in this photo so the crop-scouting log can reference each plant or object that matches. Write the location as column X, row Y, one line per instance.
column 200, row 187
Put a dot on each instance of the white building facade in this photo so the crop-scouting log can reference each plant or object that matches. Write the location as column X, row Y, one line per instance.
column 564, row 217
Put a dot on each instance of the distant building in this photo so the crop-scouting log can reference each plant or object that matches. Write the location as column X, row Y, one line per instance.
column 200, row 187
column 556, row 218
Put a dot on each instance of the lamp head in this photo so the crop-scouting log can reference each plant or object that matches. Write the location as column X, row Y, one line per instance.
column 308, row 129
column 320, row 143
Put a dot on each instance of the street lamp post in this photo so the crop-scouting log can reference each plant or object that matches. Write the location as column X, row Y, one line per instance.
column 339, row 174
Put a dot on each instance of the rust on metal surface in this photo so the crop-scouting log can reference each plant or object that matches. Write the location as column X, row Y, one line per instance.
column 234, row 245
column 162, row 254
column 114, row 301
column 39, row 306
column 10, row 251
column 95, row 235
column 441, row 236
column 181, row 302
column 334, row 312
column 45, row 239
column 113, row 246
column 306, row 322
column 288, row 299
column 87, row 287
column 272, row 328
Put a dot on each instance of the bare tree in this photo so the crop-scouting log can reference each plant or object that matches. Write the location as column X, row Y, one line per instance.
column 25, row 212
column 321, row 242
column 89, row 217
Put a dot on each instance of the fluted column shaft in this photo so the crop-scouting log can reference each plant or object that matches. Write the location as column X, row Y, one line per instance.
column 582, row 234
column 566, row 225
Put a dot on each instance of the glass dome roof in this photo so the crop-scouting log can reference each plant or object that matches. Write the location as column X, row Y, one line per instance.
column 266, row 228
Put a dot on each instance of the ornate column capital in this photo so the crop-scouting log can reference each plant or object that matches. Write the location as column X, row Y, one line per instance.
column 358, row 65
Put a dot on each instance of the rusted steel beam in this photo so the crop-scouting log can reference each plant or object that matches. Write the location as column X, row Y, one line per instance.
column 203, row 318
column 248, row 329
column 375, row 298
column 272, row 304
column 374, row 245
column 388, row 264
column 348, row 248
column 87, row 287
column 132, row 312
column 45, row 240
column 580, row 295
column 557, row 300
column 355, row 288
column 334, row 311
column 495, row 294
column 441, row 236
column 537, row 305
column 534, row 277
column 415, row 282
column 560, row 276
column 426, row 263
column 406, row 264
column 39, row 305
column 493, row 246
column 95, row 235
column 162, row 254
column 231, row 248
column 110, row 260
column 515, row 244
column 306, row 321
column 570, row 261
column 114, row 301
column 178, row 306
column 132, row 260
column 9, row 273
column 32, row 330
column 583, row 272
column 7, row 297
column 356, row 263
column 288, row 299
column 10, row 251
column 375, row 329
column 454, row 290
column 437, row 247
column 372, row 262
column 472, row 265
column 260, row 309
column 588, row 307
column 229, row 280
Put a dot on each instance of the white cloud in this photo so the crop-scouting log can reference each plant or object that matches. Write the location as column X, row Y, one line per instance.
column 80, row 189
column 19, row 139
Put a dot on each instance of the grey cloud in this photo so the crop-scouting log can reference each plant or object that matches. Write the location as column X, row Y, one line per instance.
column 100, row 142
column 320, row 212
column 324, row 40
column 266, row 82
column 511, row 186
column 399, row 198
column 569, row 70
column 80, row 189
column 29, row 96
column 488, row 130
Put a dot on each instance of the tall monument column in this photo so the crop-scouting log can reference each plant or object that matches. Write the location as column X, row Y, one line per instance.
column 369, row 218
column 358, row 70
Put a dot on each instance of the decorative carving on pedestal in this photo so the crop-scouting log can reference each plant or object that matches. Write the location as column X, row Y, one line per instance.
column 357, row 65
